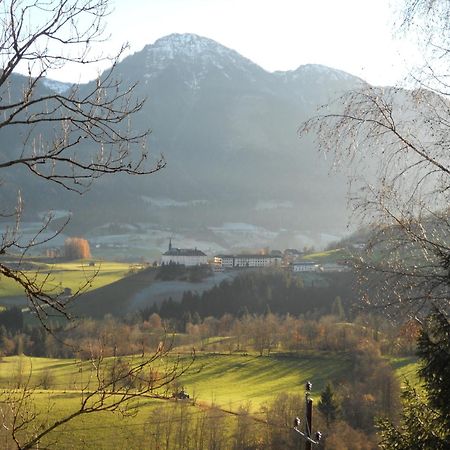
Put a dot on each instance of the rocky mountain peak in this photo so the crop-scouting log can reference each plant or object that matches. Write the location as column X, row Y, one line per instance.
column 191, row 48
column 188, row 44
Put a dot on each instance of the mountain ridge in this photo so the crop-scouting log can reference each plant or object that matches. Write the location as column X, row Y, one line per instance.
column 228, row 130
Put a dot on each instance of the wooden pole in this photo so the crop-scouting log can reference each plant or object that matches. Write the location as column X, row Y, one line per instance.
column 308, row 430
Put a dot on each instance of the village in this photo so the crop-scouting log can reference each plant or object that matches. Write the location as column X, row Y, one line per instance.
column 291, row 259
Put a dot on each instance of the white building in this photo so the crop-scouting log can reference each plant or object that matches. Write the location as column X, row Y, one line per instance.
column 184, row 256
column 335, row 267
column 225, row 261
column 236, row 261
column 305, row 266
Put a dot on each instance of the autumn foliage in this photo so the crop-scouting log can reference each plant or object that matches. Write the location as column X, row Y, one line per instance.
column 76, row 248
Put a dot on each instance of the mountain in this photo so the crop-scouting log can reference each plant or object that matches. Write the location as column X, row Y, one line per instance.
column 56, row 86
column 228, row 130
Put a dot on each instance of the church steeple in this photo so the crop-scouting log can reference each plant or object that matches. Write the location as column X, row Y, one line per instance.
column 170, row 244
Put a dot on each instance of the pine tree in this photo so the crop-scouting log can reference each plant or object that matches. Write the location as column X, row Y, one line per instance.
column 425, row 422
column 434, row 350
column 328, row 405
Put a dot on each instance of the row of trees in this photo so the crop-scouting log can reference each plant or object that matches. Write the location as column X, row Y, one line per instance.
column 263, row 334
column 261, row 291
column 180, row 426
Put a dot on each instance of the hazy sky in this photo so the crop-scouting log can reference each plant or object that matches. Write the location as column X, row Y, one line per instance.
column 353, row 35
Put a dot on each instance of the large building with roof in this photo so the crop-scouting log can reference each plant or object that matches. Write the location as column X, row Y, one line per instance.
column 240, row 261
column 184, row 256
column 305, row 266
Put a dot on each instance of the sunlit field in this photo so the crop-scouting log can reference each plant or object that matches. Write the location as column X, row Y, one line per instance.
column 71, row 275
column 214, row 380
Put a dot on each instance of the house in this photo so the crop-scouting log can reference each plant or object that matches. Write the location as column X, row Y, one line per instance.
column 184, row 256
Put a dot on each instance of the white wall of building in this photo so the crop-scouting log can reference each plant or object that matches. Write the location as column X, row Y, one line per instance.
column 186, row 260
column 305, row 267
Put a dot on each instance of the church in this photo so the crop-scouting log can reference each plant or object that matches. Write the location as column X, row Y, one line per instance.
column 184, row 256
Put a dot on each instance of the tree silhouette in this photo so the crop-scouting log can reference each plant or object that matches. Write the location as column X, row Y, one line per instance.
column 328, row 404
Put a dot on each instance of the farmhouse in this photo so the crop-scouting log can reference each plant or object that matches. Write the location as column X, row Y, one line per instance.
column 184, row 256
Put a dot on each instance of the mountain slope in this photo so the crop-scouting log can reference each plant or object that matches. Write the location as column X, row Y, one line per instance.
column 228, row 130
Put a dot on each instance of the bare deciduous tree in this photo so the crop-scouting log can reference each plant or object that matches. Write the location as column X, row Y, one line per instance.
column 105, row 384
column 71, row 138
column 397, row 143
column 68, row 139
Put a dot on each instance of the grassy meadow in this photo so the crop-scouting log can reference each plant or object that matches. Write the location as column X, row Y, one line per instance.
column 328, row 256
column 406, row 369
column 72, row 275
column 226, row 381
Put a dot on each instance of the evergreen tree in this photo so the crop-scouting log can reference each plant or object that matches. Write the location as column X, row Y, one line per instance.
column 425, row 422
column 434, row 350
column 12, row 319
column 337, row 309
column 420, row 428
column 328, row 404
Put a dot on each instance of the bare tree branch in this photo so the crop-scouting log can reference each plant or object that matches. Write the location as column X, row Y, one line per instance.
column 396, row 143
column 72, row 138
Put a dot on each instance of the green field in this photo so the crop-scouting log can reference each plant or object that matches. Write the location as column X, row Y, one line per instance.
column 227, row 380
column 112, row 298
column 232, row 380
column 224, row 380
column 406, row 369
column 329, row 255
column 72, row 275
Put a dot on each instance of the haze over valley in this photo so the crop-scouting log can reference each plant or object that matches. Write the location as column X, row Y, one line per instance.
column 237, row 174
column 231, row 232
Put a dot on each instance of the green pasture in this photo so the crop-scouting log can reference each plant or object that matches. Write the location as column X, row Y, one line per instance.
column 63, row 373
column 406, row 369
column 227, row 381
column 134, row 430
column 232, row 380
column 112, row 298
column 328, row 256
column 72, row 275
column 102, row 430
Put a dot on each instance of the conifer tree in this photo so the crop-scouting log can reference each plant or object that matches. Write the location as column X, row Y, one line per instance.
column 434, row 350
column 328, row 404
column 425, row 422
